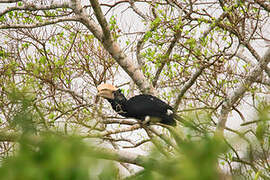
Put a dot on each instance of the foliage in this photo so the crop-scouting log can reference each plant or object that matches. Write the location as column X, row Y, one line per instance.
column 195, row 159
column 55, row 157
column 208, row 60
column 50, row 155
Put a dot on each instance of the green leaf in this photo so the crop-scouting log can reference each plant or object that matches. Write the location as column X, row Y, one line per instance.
column 20, row 3
column 191, row 42
column 10, row 14
column 51, row 116
column 39, row 18
column 42, row 60
column 260, row 131
column 257, row 175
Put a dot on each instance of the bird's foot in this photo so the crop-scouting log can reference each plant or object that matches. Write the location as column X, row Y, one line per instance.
column 146, row 121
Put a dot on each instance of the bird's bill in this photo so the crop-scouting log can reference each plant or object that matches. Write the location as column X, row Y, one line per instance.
column 106, row 91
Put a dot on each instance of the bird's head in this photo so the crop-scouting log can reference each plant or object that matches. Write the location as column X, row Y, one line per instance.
column 110, row 92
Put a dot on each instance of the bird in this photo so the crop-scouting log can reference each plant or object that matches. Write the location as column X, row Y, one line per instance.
column 143, row 107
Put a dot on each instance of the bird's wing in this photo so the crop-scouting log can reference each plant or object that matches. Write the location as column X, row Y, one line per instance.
column 143, row 105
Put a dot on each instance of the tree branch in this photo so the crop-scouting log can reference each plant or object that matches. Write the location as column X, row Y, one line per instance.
column 102, row 21
column 188, row 84
column 34, row 7
column 109, row 132
column 167, row 55
column 194, row 77
column 263, row 5
column 102, row 34
column 113, row 47
column 137, row 11
column 110, row 154
column 242, row 88
column 36, row 25
column 119, row 156
column 139, row 47
column 9, row 1
column 256, row 55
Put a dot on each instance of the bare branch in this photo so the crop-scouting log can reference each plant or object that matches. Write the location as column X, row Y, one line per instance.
column 9, row 1
column 109, row 132
column 263, row 5
column 36, row 25
column 119, row 155
column 138, row 144
column 115, row 4
column 113, row 47
column 242, row 88
column 166, row 56
column 139, row 47
column 102, row 21
column 136, row 10
column 194, row 77
column 187, row 85
column 34, row 7
column 122, row 121
column 256, row 55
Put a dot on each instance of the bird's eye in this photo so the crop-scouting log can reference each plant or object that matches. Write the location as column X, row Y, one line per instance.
column 116, row 93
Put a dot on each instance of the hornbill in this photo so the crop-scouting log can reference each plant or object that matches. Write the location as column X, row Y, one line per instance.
column 141, row 107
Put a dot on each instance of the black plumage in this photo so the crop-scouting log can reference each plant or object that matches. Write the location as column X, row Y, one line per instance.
column 138, row 107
